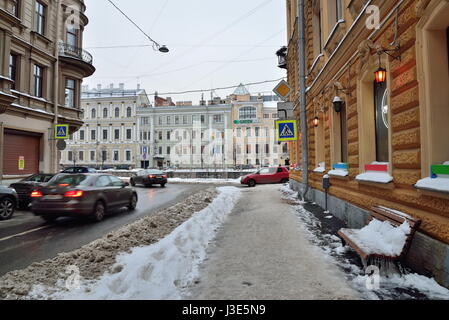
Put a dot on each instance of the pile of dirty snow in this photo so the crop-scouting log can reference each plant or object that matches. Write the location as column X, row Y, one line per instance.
column 381, row 237
column 160, row 270
column 99, row 256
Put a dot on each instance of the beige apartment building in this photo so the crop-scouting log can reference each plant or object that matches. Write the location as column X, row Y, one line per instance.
column 253, row 125
column 42, row 65
column 111, row 132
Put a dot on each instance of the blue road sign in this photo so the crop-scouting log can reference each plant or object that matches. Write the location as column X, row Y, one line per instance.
column 61, row 131
column 286, row 130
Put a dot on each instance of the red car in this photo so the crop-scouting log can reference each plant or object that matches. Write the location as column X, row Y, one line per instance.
column 267, row 175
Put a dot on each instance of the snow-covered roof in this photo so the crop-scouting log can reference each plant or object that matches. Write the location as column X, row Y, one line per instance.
column 107, row 93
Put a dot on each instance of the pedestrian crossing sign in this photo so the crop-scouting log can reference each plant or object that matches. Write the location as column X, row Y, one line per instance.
column 61, row 131
column 287, row 130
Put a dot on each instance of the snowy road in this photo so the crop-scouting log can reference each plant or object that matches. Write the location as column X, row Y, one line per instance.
column 26, row 239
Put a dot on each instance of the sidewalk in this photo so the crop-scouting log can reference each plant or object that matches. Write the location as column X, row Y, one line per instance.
column 262, row 252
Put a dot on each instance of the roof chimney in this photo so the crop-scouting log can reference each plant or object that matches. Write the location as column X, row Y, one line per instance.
column 121, row 86
column 111, row 86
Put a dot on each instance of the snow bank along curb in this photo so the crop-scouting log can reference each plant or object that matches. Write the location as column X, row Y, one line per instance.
column 331, row 244
column 204, row 181
column 161, row 270
column 97, row 257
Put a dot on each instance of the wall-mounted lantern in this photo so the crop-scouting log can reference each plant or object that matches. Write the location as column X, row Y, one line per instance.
column 316, row 121
column 338, row 104
column 282, row 57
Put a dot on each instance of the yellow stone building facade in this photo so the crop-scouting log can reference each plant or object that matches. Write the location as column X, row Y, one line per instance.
column 400, row 125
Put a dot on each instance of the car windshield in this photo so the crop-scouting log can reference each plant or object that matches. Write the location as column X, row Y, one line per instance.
column 39, row 178
column 154, row 172
column 70, row 180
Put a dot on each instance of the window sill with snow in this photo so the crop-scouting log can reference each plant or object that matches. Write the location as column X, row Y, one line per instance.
column 437, row 184
column 376, row 174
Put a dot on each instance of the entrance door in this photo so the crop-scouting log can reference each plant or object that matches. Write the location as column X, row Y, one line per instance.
column 21, row 152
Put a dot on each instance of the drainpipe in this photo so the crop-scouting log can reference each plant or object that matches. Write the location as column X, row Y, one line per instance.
column 54, row 150
column 302, row 92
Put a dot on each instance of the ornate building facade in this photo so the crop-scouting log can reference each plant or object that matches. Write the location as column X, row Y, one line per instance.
column 377, row 113
column 42, row 65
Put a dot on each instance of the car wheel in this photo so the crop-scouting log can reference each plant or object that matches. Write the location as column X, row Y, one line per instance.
column 7, row 207
column 251, row 183
column 162, row 185
column 283, row 181
column 99, row 211
column 49, row 218
column 131, row 181
column 132, row 203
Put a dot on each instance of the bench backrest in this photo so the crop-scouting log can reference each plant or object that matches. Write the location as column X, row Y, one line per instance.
column 396, row 218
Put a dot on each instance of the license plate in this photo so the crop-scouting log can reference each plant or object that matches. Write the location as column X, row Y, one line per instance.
column 53, row 197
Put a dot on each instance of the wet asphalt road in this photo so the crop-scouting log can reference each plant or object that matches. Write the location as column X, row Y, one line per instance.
column 26, row 239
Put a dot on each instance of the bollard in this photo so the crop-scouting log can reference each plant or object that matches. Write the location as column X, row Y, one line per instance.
column 326, row 186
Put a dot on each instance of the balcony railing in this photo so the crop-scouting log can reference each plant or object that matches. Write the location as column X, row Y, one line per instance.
column 68, row 50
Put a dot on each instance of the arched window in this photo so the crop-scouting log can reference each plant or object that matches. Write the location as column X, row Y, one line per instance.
column 82, row 115
column 247, row 113
column 93, row 113
column 128, row 112
column 105, row 112
column 117, row 112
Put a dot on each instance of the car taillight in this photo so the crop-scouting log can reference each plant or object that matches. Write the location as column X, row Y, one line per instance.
column 74, row 194
column 151, row 176
column 36, row 194
column 164, row 176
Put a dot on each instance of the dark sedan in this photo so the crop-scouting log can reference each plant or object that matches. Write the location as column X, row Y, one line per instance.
column 78, row 195
column 8, row 202
column 79, row 170
column 149, row 177
column 25, row 186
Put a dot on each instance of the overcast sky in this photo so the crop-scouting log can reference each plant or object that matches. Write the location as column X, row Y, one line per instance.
column 213, row 43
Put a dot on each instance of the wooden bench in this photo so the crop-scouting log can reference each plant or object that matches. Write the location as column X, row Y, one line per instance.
column 383, row 214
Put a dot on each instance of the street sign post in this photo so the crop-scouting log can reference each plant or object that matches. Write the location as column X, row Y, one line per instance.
column 286, row 130
column 283, row 90
column 61, row 131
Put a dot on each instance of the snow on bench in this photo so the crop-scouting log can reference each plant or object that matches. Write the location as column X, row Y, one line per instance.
column 388, row 235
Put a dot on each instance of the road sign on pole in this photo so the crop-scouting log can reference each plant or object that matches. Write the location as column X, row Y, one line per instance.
column 283, row 90
column 61, row 131
column 286, row 130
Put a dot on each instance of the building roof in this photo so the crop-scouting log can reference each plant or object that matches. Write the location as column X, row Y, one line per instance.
column 108, row 92
column 241, row 90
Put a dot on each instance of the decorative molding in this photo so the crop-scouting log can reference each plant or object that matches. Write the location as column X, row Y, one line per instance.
column 421, row 6
column 364, row 54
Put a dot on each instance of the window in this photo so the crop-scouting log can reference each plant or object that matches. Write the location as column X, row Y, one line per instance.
column 168, row 150
column 248, row 148
column 184, row 134
column 239, row 149
column 168, row 120
column 168, row 135
column 247, row 113
column 105, row 134
column 176, row 120
column 104, row 155
column 160, row 121
column 128, row 155
column 203, row 119
column 257, row 148
column 285, row 148
column 193, row 134
column 81, row 155
column 128, row 112
column 16, row 8
column 267, row 149
column 160, row 135
column 267, row 132
column 93, row 113
column 116, row 134
column 129, row 134
column 257, row 131
column 116, row 155
column 72, row 37
column 92, row 156
column 218, row 118
column 117, row 112
column 274, row 115
column 70, row 156
column 93, row 134
column 40, row 18
column 70, row 93
column 248, row 132
column 184, row 120
column 317, row 32
column 381, row 122
column 193, row 118
column 266, row 116
column 144, row 120
column 103, row 181
column 13, row 69
column 81, row 134
column 38, row 80
column 160, row 150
